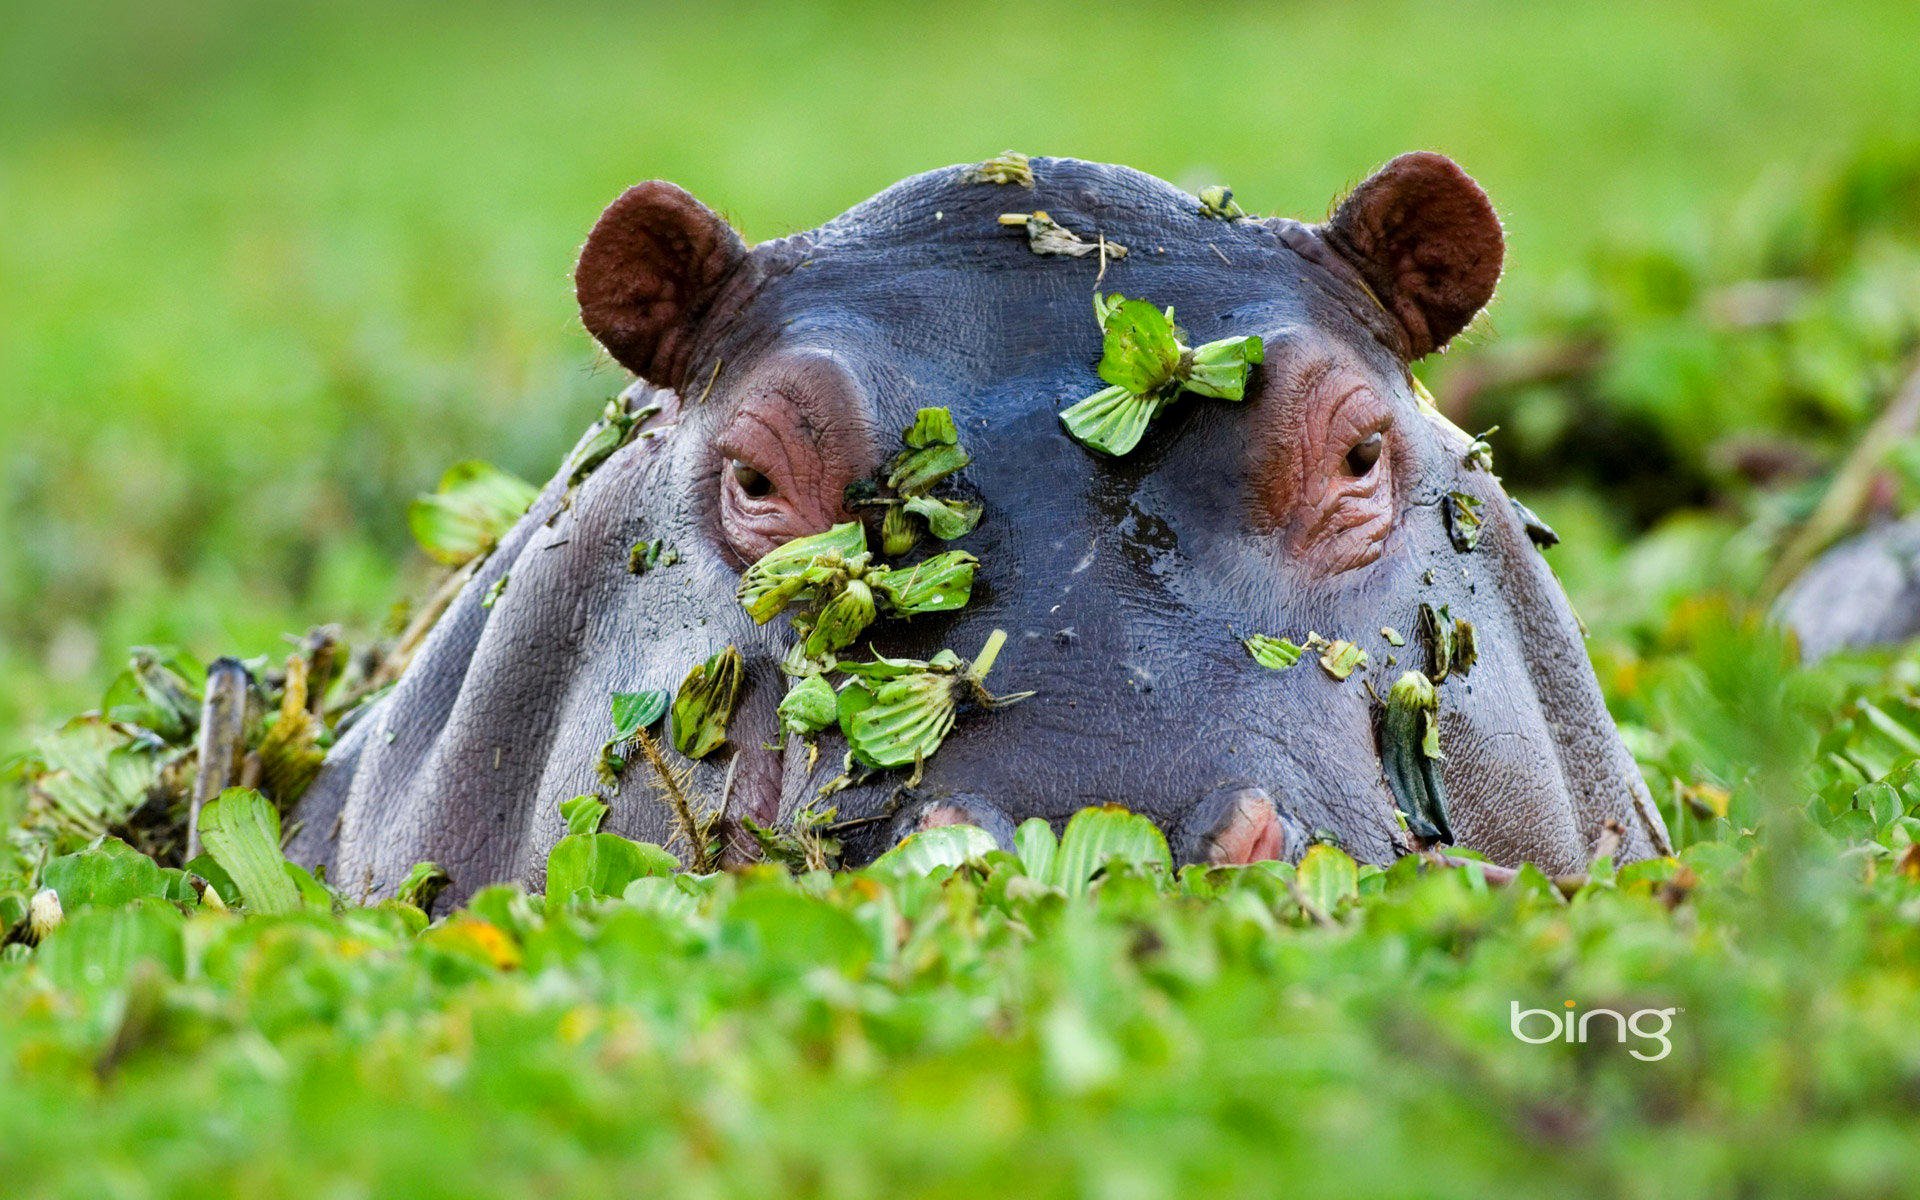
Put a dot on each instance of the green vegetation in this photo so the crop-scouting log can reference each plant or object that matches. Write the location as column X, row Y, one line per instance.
column 955, row 1016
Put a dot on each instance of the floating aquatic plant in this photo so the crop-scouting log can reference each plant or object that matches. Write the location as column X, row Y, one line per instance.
column 1272, row 652
column 1409, row 730
column 1217, row 203
column 1049, row 237
column 897, row 711
column 703, row 706
column 842, row 589
column 1463, row 520
column 1147, row 366
column 931, row 455
column 1451, row 648
column 1009, row 166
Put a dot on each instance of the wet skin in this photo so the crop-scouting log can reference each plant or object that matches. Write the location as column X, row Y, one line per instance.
column 1125, row 585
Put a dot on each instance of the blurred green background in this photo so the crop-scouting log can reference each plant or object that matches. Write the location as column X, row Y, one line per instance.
column 265, row 270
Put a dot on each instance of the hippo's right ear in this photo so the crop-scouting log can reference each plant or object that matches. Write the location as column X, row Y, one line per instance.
column 1427, row 241
column 650, row 271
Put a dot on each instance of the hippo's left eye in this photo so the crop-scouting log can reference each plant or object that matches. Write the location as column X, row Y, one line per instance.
column 750, row 480
column 1364, row 455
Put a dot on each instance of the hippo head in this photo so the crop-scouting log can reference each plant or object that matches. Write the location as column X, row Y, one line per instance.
column 775, row 384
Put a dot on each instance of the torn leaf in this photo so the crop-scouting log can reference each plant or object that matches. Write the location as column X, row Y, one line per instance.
column 946, row 519
column 1463, row 520
column 608, row 434
column 648, row 556
column 1140, row 350
column 1480, row 452
column 632, row 712
column 583, row 814
column 1342, row 659
column 1271, row 652
column 899, row 711
column 1409, row 732
column 1217, row 203
column 423, row 885
column 899, row 532
column 842, row 619
column 474, row 506
column 1392, row 635
column 1219, row 369
column 808, row 707
column 788, row 572
column 941, row 583
column 1009, row 166
column 704, row 705
column 1047, row 236
column 495, row 590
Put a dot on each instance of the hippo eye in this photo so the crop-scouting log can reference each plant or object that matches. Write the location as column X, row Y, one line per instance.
column 750, row 480
column 1364, row 454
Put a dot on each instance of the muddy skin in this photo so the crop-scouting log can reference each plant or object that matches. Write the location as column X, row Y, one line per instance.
column 1125, row 584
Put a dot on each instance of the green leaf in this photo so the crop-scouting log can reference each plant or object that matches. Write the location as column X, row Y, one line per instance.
column 946, row 846
column 1342, row 659
column 1216, row 203
column 241, row 830
column 634, row 711
column 1326, row 877
column 1036, row 845
column 105, row 948
column 602, row 864
column 1275, row 653
column 704, row 705
column 899, row 531
column 941, row 583
column 1112, row 420
column 474, row 507
column 1009, row 166
column 313, row 894
column 1139, row 350
column 423, row 884
column 809, row 706
column 906, row 721
column 946, row 519
column 1463, row 520
column 107, row 874
column 931, row 427
column 1098, row 836
column 843, row 619
column 1410, row 756
column 781, row 575
column 583, row 814
column 1219, row 369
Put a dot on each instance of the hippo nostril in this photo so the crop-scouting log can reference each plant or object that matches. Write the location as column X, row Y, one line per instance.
column 1235, row 825
column 958, row 809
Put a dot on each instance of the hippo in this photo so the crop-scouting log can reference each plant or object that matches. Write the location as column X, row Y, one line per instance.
column 1332, row 507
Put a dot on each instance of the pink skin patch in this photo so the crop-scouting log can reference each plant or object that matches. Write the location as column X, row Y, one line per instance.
column 945, row 814
column 1251, row 833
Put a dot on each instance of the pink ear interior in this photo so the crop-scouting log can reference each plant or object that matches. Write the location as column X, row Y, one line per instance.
column 1427, row 241
column 650, row 270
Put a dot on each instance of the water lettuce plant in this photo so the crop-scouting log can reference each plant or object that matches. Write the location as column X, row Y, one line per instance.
column 1147, row 366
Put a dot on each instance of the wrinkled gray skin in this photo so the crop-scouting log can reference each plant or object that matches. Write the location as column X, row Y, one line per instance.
column 1125, row 585
column 1864, row 592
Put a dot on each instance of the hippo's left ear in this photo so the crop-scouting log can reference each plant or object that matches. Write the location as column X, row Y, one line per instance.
column 1427, row 241
column 649, row 274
